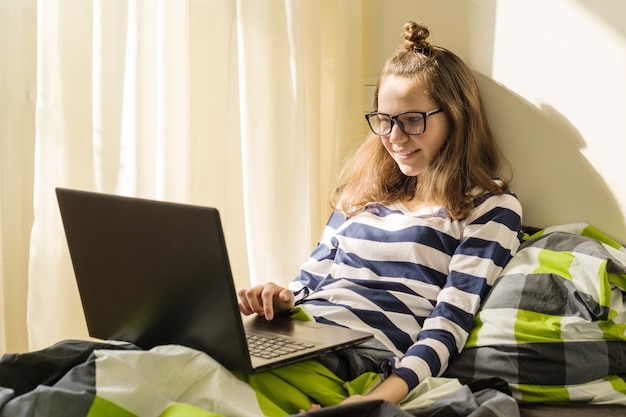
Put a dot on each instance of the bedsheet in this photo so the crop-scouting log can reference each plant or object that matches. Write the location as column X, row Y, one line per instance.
column 80, row 378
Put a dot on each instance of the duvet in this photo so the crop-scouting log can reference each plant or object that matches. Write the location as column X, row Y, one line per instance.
column 80, row 379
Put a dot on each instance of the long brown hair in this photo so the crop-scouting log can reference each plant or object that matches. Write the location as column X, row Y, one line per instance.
column 468, row 158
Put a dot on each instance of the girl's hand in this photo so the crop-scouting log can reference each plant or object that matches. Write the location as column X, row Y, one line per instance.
column 265, row 300
column 393, row 389
column 313, row 407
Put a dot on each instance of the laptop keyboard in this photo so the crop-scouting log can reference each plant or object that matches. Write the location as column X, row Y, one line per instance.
column 270, row 347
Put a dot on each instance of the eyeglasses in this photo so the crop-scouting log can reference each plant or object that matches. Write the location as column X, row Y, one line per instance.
column 410, row 122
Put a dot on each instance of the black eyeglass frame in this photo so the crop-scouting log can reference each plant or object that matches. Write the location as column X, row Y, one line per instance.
column 394, row 120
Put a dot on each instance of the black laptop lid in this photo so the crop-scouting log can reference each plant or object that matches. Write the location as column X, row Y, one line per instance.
column 143, row 267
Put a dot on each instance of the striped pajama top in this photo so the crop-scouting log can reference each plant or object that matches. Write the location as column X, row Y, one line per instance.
column 413, row 279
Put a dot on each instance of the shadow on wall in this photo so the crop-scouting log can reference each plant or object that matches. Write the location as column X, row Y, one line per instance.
column 552, row 178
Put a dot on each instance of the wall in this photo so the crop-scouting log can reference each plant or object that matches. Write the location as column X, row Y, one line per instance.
column 552, row 77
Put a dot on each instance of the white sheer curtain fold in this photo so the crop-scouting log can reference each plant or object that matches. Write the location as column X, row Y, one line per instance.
column 284, row 135
column 17, row 141
column 229, row 103
column 279, row 114
column 141, row 98
column 63, row 156
column 173, row 86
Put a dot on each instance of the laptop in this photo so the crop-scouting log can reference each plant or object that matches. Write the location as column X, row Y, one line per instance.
column 153, row 273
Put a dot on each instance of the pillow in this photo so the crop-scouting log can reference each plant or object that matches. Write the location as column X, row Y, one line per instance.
column 554, row 324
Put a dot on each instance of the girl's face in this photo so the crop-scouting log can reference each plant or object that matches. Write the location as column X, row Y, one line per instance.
column 411, row 152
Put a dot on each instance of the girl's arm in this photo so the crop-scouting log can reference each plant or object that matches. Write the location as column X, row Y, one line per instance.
column 393, row 389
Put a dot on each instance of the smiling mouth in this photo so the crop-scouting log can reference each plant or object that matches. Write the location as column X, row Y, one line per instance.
column 407, row 153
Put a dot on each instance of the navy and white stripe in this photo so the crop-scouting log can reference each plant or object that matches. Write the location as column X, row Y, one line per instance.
column 415, row 280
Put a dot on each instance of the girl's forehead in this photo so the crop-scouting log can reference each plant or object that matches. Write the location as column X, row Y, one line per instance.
column 398, row 90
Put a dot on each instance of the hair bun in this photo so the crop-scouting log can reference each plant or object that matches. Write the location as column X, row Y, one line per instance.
column 415, row 38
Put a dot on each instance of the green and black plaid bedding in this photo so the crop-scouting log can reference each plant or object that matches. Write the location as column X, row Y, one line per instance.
column 554, row 325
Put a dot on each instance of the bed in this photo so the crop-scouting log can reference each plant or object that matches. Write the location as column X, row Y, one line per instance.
column 549, row 340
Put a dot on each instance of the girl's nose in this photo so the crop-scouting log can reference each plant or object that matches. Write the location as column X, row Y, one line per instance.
column 397, row 135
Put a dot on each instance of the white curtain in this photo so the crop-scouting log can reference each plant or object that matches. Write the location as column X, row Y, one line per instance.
column 247, row 106
column 17, row 142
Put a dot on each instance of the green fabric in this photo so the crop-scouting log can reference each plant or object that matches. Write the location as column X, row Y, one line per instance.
column 595, row 234
column 363, row 383
column 299, row 314
column 289, row 389
column 544, row 394
column 553, row 262
column 104, row 408
column 532, row 327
